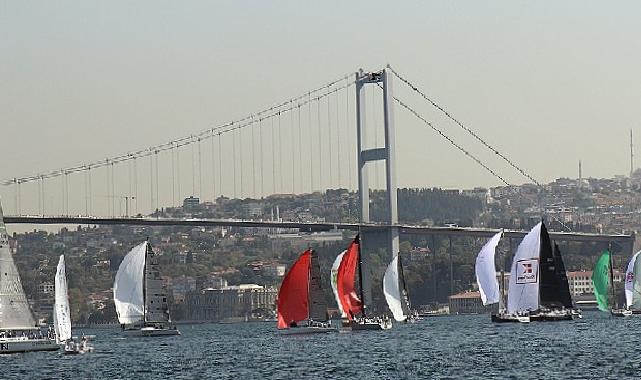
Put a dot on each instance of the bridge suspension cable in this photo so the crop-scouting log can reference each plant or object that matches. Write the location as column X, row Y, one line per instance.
column 462, row 126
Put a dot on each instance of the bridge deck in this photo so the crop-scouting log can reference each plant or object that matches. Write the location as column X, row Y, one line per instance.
column 405, row 229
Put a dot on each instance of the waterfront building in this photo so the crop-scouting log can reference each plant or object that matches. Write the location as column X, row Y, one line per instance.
column 230, row 303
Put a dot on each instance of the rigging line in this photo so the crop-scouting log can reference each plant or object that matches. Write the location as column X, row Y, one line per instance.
column 280, row 153
column 338, row 141
column 157, row 176
column 253, row 143
column 320, row 146
column 467, row 129
column 136, row 183
column 173, row 178
column 233, row 158
column 300, row 152
column 220, row 167
column 449, row 139
column 200, row 169
column 273, row 149
column 193, row 170
column 467, row 153
column 311, row 143
column 291, row 146
column 209, row 133
column 349, row 140
column 151, row 183
column 240, row 162
column 329, row 134
column 206, row 132
column 213, row 170
column 261, row 159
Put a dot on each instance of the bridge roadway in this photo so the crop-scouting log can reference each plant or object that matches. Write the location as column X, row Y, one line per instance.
column 313, row 227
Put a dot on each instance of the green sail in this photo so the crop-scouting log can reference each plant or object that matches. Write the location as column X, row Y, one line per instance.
column 601, row 280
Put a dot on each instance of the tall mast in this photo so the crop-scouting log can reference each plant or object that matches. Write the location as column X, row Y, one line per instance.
column 502, row 282
column 144, row 284
column 360, row 278
column 613, row 295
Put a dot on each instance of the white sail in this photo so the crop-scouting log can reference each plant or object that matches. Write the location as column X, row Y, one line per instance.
column 334, row 275
column 392, row 290
column 523, row 293
column 61, row 314
column 15, row 313
column 486, row 271
column 128, row 287
column 633, row 283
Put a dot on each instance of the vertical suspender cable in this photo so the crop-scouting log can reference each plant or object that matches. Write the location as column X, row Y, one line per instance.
column 329, row 135
column 291, row 145
column 252, row 136
column 273, row 148
column 300, row 152
column 261, row 160
column 310, row 154
column 320, row 145
column 220, row 167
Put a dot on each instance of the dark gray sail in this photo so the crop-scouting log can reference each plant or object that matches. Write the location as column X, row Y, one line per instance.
column 156, row 306
column 554, row 291
column 317, row 302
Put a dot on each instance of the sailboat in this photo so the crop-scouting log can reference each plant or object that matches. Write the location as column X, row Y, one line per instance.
column 492, row 291
column 351, row 303
column 301, row 302
column 538, row 281
column 395, row 291
column 140, row 297
column 62, row 316
column 18, row 330
column 603, row 285
column 633, row 285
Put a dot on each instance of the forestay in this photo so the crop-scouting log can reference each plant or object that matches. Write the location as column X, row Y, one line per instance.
column 392, row 290
column 333, row 282
column 486, row 272
column 128, row 287
column 523, row 293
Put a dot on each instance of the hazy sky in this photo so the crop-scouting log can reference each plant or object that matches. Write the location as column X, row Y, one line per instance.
column 548, row 83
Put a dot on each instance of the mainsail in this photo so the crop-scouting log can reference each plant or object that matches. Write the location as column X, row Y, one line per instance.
column 345, row 282
column 523, row 292
column 333, row 282
column 15, row 313
column 393, row 291
column 553, row 283
column 486, row 272
column 129, row 295
column 633, row 283
column 61, row 314
column 293, row 296
column 601, row 280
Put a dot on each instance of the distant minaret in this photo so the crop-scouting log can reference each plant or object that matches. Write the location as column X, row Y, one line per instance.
column 631, row 154
column 580, row 177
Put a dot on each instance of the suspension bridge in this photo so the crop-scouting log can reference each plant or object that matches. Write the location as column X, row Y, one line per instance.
column 338, row 135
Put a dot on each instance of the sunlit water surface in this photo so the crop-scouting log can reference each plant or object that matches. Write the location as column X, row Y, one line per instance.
column 438, row 348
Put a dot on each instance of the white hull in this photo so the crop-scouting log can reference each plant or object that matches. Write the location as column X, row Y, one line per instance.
column 12, row 345
column 307, row 330
column 150, row 331
column 369, row 324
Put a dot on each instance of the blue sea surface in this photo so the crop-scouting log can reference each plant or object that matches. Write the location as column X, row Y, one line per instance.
column 452, row 347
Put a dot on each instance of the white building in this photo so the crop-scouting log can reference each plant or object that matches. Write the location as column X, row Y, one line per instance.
column 581, row 282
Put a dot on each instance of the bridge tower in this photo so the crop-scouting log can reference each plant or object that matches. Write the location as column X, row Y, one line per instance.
column 383, row 237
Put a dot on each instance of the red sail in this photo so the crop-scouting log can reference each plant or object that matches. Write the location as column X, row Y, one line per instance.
column 293, row 297
column 345, row 281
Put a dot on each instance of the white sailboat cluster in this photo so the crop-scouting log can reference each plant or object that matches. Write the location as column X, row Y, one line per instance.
column 18, row 330
column 538, row 286
column 140, row 297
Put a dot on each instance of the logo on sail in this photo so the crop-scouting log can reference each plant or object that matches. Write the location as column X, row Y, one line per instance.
column 527, row 271
column 629, row 277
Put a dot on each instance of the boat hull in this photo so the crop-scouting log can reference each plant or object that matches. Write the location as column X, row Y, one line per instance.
column 14, row 345
column 307, row 330
column 620, row 313
column 150, row 332
column 552, row 317
column 369, row 325
column 505, row 318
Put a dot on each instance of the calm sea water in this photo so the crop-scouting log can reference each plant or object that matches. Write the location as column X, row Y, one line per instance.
column 452, row 347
